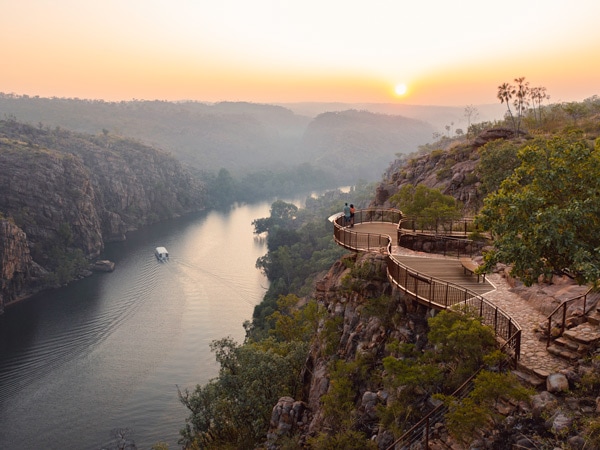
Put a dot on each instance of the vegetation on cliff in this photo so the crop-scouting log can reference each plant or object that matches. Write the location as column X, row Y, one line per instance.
column 70, row 193
column 371, row 372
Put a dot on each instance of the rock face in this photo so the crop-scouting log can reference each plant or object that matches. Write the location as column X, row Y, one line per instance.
column 64, row 195
column 17, row 269
column 453, row 173
column 362, row 335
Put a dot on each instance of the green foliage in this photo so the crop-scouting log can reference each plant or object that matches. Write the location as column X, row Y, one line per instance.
column 293, row 322
column 429, row 204
column 497, row 162
column 458, row 346
column 339, row 406
column 468, row 416
column 460, row 342
column 382, row 307
column 545, row 215
column 346, row 439
column 591, row 433
column 235, row 408
column 330, row 335
column 338, row 402
column 160, row 446
column 300, row 246
column 589, row 383
column 361, row 274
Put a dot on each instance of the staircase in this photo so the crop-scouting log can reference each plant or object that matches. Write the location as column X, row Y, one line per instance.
column 578, row 341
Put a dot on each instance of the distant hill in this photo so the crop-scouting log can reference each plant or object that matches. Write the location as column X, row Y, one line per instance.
column 436, row 116
column 241, row 137
column 361, row 143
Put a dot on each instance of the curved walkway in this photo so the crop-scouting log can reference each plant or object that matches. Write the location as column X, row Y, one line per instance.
column 534, row 358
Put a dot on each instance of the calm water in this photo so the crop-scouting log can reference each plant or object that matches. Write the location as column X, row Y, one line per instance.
column 109, row 351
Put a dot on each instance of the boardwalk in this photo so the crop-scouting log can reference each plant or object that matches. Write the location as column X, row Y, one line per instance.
column 534, row 356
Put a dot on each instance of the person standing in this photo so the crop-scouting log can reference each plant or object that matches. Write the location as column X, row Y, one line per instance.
column 352, row 210
column 346, row 214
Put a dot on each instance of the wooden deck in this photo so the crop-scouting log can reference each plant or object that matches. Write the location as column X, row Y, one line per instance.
column 378, row 228
column 448, row 269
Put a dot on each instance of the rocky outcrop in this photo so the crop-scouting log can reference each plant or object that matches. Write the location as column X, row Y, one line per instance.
column 65, row 195
column 362, row 335
column 349, row 293
column 18, row 272
column 495, row 133
column 451, row 171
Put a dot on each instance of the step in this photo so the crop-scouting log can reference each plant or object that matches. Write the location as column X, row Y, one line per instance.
column 593, row 318
column 568, row 343
column 530, row 379
column 563, row 352
column 586, row 333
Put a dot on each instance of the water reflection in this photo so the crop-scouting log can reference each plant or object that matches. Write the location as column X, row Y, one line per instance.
column 109, row 351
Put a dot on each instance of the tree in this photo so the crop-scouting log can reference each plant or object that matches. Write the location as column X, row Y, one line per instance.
column 505, row 95
column 521, row 101
column 545, row 216
column 498, row 160
column 471, row 113
column 538, row 95
column 426, row 203
column 282, row 215
column 460, row 342
column 468, row 416
column 574, row 110
column 233, row 411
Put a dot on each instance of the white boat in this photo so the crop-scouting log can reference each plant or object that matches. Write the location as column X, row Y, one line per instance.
column 161, row 253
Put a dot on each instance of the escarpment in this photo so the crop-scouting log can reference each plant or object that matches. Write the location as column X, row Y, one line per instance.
column 364, row 314
column 453, row 172
column 64, row 195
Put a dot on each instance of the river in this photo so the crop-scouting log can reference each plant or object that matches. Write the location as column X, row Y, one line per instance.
column 109, row 352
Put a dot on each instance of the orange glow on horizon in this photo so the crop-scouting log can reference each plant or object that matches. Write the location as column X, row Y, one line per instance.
column 180, row 50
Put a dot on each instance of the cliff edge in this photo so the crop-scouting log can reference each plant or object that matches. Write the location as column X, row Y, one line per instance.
column 63, row 195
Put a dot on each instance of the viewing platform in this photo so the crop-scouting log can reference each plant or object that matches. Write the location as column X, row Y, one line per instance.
column 441, row 282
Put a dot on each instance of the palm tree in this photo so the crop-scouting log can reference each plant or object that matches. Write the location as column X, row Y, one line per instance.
column 521, row 99
column 505, row 94
column 538, row 94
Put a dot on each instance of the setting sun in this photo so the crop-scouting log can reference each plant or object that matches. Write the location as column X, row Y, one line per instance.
column 400, row 89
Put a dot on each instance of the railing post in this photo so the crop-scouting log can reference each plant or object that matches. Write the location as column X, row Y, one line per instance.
column 496, row 321
column 431, row 291
column 446, row 300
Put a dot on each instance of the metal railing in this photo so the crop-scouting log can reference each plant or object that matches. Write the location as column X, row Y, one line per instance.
column 562, row 311
column 428, row 290
column 444, row 236
column 366, row 242
column 441, row 294
column 431, row 291
column 447, row 227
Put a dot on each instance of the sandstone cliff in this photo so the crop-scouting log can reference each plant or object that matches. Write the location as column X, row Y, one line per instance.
column 351, row 292
column 449, row 165
column 63, row 195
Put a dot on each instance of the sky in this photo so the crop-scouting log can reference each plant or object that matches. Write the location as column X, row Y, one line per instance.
column 420, row 52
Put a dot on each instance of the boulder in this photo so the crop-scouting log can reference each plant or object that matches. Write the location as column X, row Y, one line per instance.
column 103, row 265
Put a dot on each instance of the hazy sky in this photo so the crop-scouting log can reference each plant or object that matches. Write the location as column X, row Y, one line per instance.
column 273, row 51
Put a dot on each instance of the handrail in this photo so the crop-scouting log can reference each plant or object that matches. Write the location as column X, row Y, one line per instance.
column 453, row 233
column 441, row 294
column 434, row 292
column 563, row 308
column 431, row 291
column 367, row 242
column 446, row 227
